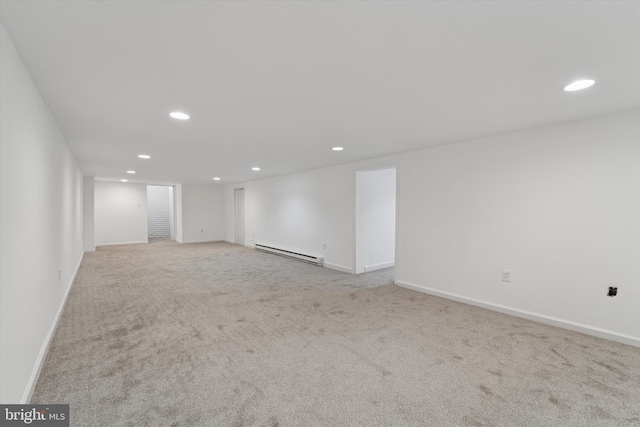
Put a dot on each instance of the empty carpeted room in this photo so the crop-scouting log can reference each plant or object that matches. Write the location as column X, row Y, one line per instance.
column 320, row 213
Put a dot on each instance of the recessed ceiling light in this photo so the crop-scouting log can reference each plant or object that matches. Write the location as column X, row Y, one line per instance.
column 124, row 180
column 131, row 172
column 579, row 85
column 144, row 156
column 255, row 169
column 337, row 148
column 179, row 115
column 216, row 179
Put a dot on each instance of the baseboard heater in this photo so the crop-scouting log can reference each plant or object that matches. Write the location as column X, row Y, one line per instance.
column 289, row 254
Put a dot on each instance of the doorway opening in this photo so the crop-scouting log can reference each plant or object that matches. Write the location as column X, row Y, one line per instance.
column 239, row 216
column 375, row 219
column 161, row 218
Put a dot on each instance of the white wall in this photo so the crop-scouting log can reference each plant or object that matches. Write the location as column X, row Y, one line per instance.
column 229, row 212
column 120, row 213
column 178, row 207
column 88, row 203
column 40, row 224
column 172, row 214
column 303, row 211
column 201, row 214
column 557, row 206
column 375, row 219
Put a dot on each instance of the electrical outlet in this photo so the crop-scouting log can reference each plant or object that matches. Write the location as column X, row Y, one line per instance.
column 506, row 276
column 202, row 230
column 59, row 275
column 324, row 246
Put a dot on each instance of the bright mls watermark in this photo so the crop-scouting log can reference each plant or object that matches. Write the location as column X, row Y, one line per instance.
column 34, row 415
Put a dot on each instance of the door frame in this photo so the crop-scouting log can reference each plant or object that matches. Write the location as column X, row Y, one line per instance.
column 359, row 258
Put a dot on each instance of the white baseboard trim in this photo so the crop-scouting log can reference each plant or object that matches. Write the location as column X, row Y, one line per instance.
column 141, row 242
column 380, row 266
column 249, row 246
column 548, row 320
column 89, row 251
column 35, row 374
column 339, row 267
column 200, row 241
column 234, row 243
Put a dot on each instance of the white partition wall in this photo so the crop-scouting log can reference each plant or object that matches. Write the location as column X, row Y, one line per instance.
column 172, row 213
column 200, row 213
column 308, row 212
column 375, row 219
column 177, row 193
column 238, row 198
column 120, row 213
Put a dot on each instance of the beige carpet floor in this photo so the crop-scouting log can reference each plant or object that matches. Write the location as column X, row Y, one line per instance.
column 220, row 335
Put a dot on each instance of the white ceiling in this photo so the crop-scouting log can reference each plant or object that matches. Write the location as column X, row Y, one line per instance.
column 277, row 84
